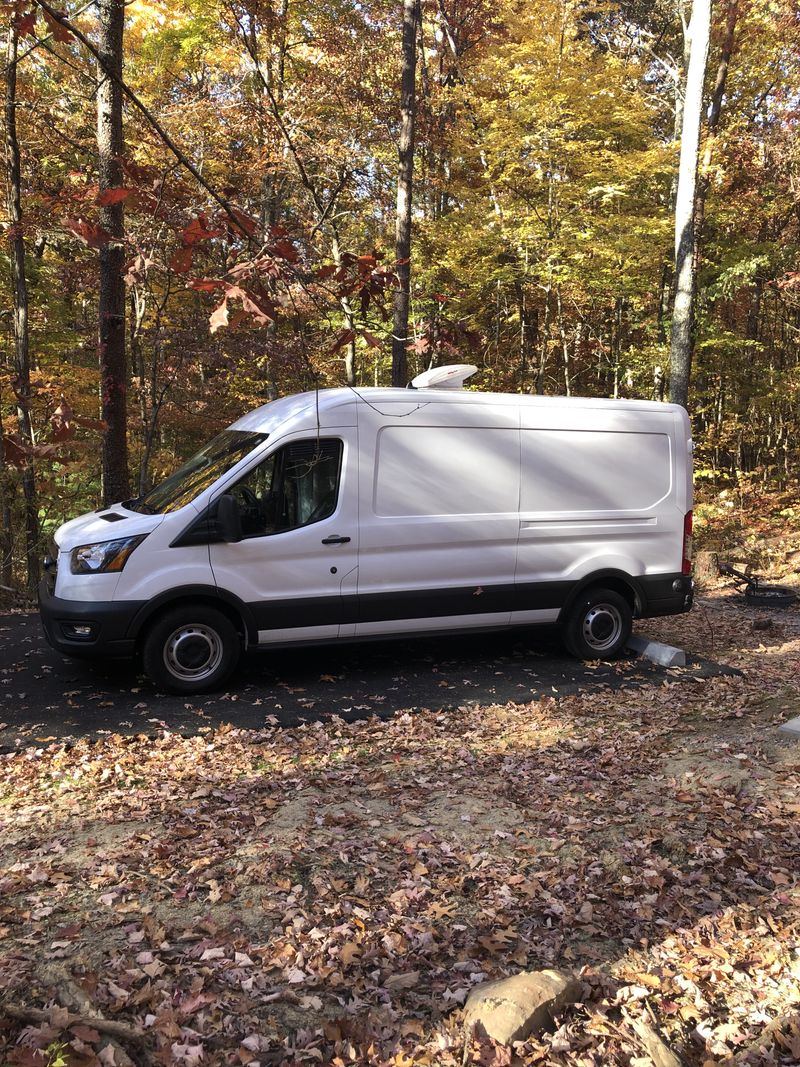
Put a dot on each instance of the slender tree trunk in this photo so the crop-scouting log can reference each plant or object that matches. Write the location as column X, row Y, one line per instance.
column 683, row 310
column 6, row 531
column 21, row 345
column 111, row 340
column 405, row 176
column 714, row 112
column 538, row 385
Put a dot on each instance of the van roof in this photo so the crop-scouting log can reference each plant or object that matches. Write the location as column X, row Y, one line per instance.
column 336, row 407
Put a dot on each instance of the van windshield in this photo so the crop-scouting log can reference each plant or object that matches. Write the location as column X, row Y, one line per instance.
column 197, row 473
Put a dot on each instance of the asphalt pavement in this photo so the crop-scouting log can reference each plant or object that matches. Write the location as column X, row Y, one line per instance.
column 46, row 697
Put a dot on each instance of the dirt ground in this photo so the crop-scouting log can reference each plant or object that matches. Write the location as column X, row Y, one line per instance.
column 331, row 893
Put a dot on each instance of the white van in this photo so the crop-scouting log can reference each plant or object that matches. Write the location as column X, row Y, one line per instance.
column 345, row 515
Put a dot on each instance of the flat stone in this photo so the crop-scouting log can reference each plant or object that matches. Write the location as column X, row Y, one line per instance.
column 664, row 655
column 791, row 728
column 514, row 1008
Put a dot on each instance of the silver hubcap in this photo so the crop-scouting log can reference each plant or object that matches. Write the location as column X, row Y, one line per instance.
column 193, row 652
column 602, row 627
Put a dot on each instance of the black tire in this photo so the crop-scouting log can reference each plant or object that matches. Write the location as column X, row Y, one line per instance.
column 598, row 625
column 770, row 596
column 191, row 649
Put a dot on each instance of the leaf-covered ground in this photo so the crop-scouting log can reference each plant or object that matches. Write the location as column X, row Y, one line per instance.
column 330, row 894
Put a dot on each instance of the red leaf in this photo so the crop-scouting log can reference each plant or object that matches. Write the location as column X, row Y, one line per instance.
column 261, row 310
column 26, row 24
column 198, row 230
column 13, row 452
column 344, row 338
column 371, row 339
column 206, row 285
column 286, row 250
column 90, row 424
column 326, row 271
column 246, row 223
column 61, row 420
column 93, row 236
column 113, row 196
column 181, row 261
column 59, row 31
column 137, row 174
column 219, row 316
column 422, row 345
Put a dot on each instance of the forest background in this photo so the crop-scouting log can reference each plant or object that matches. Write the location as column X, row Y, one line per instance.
column 251, row 211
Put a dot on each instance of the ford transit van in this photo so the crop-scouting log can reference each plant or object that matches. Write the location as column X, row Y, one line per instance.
column 345, row 515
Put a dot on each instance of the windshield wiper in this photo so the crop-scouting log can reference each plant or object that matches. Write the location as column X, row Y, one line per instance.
column 137, row 505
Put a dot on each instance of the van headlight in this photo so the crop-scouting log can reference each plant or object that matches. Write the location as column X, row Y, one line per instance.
column 105, row 557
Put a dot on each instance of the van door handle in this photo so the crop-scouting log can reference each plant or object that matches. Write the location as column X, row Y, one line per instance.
column 335, row 540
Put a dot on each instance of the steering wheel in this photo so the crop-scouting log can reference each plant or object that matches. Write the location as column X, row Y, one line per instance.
column 252, row 512
column 249, row 497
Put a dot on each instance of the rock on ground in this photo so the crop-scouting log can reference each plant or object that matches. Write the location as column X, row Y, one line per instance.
column 513, row 1008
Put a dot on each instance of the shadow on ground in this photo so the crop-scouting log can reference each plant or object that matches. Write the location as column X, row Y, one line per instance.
column 44, row 696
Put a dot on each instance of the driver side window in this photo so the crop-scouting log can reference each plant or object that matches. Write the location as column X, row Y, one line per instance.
column 295, row 486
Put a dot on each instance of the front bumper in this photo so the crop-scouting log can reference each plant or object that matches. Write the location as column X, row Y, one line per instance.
column 87, row 629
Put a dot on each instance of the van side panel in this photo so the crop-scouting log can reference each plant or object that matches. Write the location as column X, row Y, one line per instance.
column 602, row 491
column 438, row 516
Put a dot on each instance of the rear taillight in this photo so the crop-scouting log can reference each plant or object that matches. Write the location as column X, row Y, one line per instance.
column 686, row 564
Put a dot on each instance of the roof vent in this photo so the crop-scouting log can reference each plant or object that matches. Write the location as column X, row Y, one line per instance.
column 452, row 377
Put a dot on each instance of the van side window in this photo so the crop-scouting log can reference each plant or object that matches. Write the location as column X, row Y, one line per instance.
column 295, row 486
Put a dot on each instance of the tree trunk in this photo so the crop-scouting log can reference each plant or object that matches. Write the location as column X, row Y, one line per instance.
column 714, row 112
column 111, row 340
column 6, row 532
column 683, row 310
column 405, row 176
column 21, row 346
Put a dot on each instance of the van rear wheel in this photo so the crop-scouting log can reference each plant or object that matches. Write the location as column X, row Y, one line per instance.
column 191, row 649
column 598, row 625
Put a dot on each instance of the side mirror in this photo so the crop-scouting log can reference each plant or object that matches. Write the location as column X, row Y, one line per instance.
column 229, row 519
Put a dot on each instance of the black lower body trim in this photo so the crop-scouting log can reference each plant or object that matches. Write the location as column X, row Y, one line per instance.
column 660, row 594
column 96, row 628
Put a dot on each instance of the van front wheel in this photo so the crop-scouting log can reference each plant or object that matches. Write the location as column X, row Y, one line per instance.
column 191, row 649
column 598, row 625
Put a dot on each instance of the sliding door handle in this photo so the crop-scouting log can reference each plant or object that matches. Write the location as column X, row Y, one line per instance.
column 334, row 539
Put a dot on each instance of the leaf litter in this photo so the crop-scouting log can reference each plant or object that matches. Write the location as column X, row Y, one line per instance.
column 331, row 893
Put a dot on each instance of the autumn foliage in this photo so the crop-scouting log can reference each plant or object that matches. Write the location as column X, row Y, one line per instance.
column 258, row 189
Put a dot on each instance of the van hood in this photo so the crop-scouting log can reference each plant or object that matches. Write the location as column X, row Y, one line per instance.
column 108, row 524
